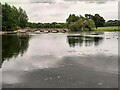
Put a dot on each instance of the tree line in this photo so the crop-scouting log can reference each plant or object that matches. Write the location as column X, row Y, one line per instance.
column 112, row 23
column 14, row 18
column 46, row 25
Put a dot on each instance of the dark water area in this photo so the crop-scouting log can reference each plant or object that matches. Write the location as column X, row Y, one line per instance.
column 14, row 45
column 87, row 40
column 60, row 60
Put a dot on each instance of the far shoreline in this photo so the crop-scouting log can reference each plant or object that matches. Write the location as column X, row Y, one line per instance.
column 25, row 30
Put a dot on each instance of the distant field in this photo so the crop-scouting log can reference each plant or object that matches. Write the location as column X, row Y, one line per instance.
column 112, row 28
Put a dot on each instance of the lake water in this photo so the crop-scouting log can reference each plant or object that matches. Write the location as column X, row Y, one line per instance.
column 60, row 60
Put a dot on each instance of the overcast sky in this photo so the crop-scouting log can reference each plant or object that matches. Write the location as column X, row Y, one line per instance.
column 59, row 10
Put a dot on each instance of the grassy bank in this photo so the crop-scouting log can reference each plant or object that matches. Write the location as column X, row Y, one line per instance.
column 111, row 28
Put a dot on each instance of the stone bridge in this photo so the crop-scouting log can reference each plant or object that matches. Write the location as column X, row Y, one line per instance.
column 48, row 30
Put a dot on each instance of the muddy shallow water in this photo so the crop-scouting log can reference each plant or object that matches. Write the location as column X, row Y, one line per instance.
column 64, row 60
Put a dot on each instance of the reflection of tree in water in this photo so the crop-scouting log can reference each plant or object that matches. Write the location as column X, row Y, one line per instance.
column 13, row 45
column 83, row 40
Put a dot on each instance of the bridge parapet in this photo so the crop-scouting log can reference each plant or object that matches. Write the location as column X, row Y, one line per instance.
column 53, row 30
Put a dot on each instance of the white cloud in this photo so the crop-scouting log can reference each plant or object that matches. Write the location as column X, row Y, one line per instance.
column 59, row 10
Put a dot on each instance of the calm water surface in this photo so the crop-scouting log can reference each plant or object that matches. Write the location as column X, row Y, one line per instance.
column 64, row 60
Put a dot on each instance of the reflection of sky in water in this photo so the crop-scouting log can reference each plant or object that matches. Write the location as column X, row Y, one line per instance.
column 46, row 47
column 57, row 44
column 48, row 50
column 106, row 43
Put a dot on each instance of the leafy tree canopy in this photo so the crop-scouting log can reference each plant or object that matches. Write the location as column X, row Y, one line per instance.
column 13, row 18
column 79, row 23
column 112, row 23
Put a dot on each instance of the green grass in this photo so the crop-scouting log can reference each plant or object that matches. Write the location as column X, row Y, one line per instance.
column 111, row 28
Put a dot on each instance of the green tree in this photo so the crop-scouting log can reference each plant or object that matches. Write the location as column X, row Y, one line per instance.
column 40, row 25
column 23, row 18
column 72, row 18
column 12, row 18
column 89, row 24
column 112, row 23
column 31, row 25
column 83, row 23
column 7, row 17
column 99, row 21
column 89, row 16
column 46, row 25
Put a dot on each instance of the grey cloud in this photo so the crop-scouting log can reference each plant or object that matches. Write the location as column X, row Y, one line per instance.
column 42, row 1
column 54, row 1
column 91, row 1
column 30, row 1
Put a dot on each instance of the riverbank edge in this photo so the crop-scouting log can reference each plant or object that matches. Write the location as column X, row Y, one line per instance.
column 101, row 29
